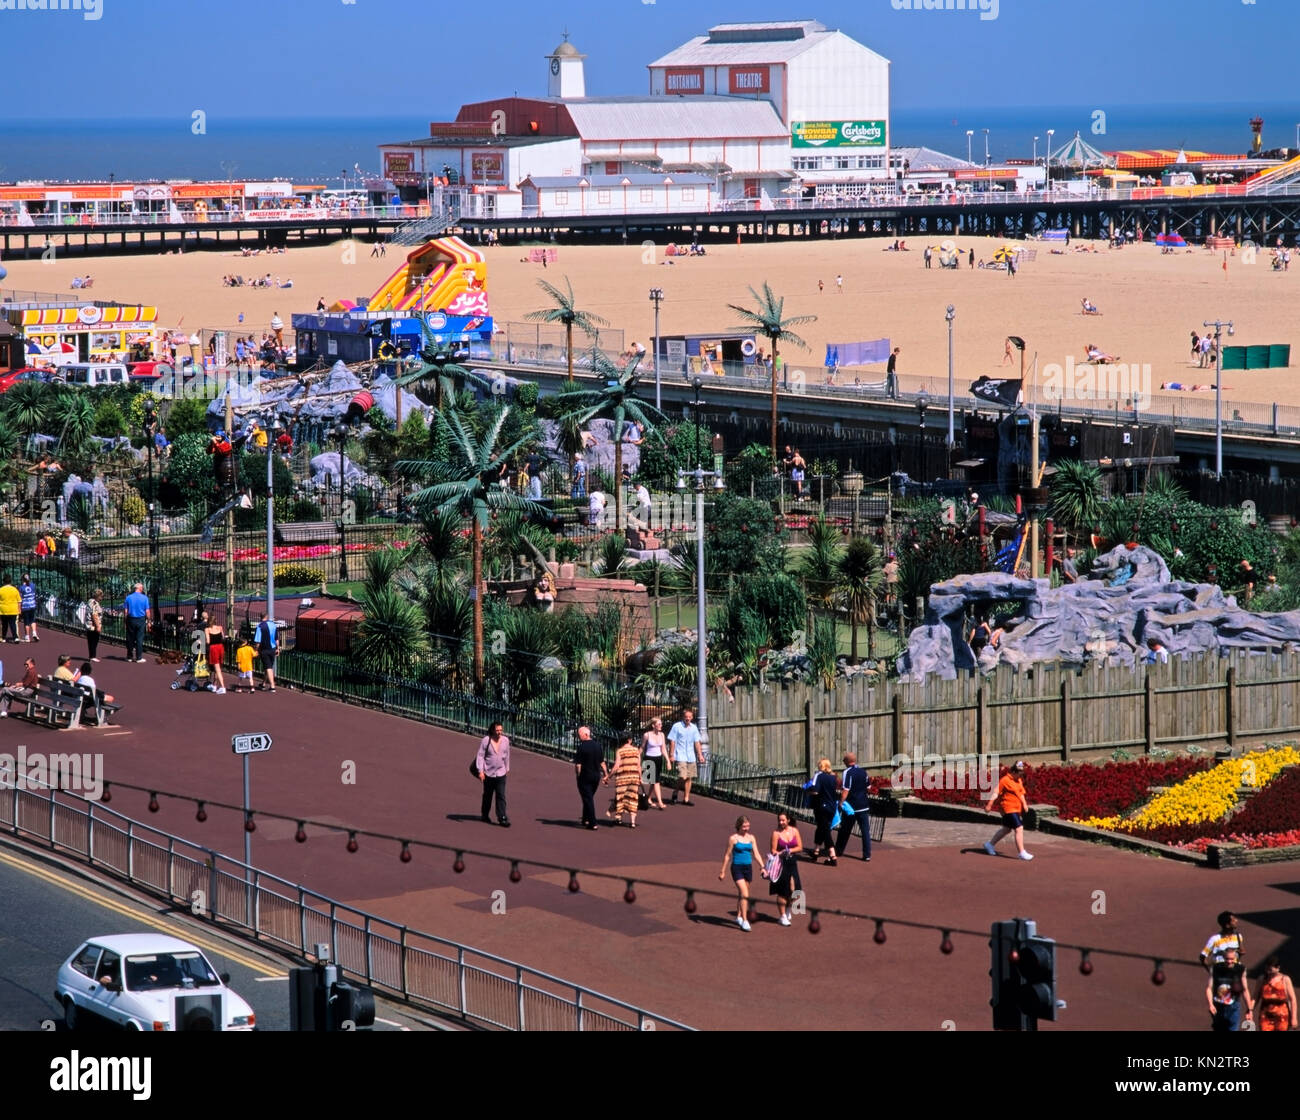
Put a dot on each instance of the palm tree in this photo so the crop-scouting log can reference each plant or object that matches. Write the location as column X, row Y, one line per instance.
column 391, row 639
column 26, row 406
column 769, row 318
column 616, row 401
column 74, row 413
column 820, row 564
column 440, row 536
column 436, row 363
column 861, row 577
column 565, row 312
column 475, row 493
column 1076, row 495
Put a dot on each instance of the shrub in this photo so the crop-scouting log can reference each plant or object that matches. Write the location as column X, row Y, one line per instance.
column 299, row 575
column 109, row 420
column 304, row 509
column 134, row 510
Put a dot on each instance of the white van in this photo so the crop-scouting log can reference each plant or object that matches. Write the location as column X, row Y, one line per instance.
column 94, row 373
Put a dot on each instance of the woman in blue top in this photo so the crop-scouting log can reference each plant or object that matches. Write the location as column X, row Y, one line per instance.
column 27, row 608
column 825, row 797
column 740, row 854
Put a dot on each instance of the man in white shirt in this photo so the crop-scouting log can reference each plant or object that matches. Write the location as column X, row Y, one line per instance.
column 73, row 545
column 685, row 734
column 641, row 514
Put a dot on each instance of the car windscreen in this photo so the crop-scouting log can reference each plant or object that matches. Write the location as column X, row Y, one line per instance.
column 168, row 970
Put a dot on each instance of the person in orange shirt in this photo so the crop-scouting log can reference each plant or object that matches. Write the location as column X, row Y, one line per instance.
column 1009, row 799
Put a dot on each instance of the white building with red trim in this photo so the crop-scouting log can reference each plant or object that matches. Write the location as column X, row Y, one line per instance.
column 760, row 109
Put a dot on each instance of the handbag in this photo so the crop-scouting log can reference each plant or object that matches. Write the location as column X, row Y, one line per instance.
column 473, row 766
column 774, row 866
column 642, row 801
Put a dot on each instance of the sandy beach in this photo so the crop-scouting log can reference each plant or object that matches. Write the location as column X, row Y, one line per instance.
column 1150, row 302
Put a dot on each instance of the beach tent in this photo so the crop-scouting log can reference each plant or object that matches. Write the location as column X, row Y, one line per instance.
column 1171, row 241
column 1056, row 235
column 1078, row 155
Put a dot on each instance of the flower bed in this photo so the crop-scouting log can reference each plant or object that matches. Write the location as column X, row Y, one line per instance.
column 1270, row 819
column 1086, row 791
column 1203, row 798
column 295, row 552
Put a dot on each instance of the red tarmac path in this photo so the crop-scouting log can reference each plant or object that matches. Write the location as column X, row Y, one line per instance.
column 412, row 780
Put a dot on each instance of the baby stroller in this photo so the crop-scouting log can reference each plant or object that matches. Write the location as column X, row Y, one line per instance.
column 196, row 669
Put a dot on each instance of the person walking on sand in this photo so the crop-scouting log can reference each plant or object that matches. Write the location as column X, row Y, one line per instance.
column 684, row 735
column 1007, row 356
column 1009, row 797
column 786, row 846
column 839, row 284
column 652, row 745
column 627, row 782
column 741, row 848
column 591, row 769
column 493, row 767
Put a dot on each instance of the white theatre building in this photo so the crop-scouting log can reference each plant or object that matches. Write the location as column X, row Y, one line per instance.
column 749, row 110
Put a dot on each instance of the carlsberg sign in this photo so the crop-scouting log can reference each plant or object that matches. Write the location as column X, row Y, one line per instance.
column 837, row 134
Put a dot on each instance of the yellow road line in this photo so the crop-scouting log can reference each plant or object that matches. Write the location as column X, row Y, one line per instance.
column 156, row 922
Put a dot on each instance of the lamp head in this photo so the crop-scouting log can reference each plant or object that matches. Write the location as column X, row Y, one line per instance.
column 681, row 481
column 1231, row 332
column 718, row 483
column 697, row 384
column 950, row 314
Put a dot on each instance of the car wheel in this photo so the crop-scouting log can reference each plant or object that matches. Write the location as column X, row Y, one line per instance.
column 71, row 1014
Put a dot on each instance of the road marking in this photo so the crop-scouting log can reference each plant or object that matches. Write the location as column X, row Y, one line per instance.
column 152, row 920
column 391, row 1023
column 269, row 979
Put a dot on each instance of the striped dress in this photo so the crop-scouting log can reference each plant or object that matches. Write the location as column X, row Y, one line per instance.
column 627, row 779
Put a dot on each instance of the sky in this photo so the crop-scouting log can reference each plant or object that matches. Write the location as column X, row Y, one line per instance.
column 290, row 59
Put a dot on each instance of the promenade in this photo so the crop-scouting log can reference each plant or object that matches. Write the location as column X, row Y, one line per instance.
column 412, row 781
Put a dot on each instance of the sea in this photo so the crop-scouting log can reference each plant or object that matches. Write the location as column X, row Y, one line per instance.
column 324, row 150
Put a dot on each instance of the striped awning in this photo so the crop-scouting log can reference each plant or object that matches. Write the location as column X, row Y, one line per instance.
column 1146, row 159
column 90, row 316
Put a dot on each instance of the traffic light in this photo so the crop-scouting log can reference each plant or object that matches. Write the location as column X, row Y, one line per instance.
column 320, row 1001
column 350, row 1005
column 1024, row 976
column 1037, row 968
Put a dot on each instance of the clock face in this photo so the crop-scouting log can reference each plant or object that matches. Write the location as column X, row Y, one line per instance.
column 555, row 66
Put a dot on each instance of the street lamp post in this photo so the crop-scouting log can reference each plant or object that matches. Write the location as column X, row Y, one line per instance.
column 150, row 429
column 986, row 147
column 697, row 384
column 341, row 433
column 922, row 403
column 1035, row 151
column 656, row 296
column 1218, row 325
column 970, row 133
column 698, row 475
column 272, row 428
column 1047, row 155
column 950, row 315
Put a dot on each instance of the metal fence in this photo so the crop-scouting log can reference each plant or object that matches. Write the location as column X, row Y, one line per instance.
column 452, row 978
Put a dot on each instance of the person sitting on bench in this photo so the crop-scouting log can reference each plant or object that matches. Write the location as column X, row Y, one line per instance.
column 87, row 681
column 24, row 689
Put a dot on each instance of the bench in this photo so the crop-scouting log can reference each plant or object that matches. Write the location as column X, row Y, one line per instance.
column 307, row 532
column 50, row 708
column 91, row 705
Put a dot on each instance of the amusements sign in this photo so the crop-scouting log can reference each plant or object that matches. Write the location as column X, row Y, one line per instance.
column 487, row 167
column 398, row 163
column 837, row 134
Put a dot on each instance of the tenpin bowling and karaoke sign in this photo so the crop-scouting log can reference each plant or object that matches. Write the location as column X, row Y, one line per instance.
column 837, row 134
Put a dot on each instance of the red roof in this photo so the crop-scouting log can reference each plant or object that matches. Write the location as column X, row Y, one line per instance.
column 1148, row 158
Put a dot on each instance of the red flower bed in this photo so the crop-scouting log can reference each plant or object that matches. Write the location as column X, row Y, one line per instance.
column 1086, row 791
column 1273, row 811
column 1288, row 839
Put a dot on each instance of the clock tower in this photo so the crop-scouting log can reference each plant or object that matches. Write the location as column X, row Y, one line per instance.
column 565, row 78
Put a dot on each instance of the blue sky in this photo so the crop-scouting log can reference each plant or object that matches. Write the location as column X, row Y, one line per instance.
column 368, row 58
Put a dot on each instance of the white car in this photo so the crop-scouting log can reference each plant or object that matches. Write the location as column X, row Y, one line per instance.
column 149, row 982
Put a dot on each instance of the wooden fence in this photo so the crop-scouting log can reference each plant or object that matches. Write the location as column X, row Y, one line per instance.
column 1052, row 712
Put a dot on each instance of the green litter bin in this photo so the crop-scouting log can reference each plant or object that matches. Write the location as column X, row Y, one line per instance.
column 1279, row 355
column 1257, row 357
